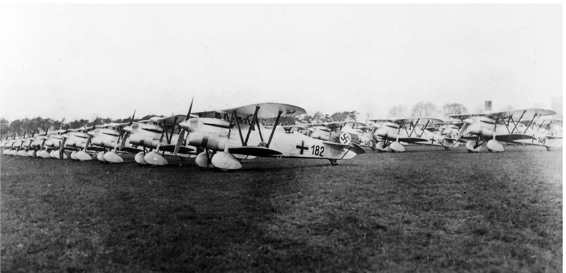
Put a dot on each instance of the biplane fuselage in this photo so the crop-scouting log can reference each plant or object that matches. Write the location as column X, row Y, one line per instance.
column 76, row 140
column 218, row 134
column 105, row 137
column 149, row 135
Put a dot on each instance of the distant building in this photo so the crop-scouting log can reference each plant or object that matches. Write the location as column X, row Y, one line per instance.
column 487, row 107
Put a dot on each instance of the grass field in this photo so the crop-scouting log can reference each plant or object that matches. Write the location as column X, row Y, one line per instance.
column 421, row 211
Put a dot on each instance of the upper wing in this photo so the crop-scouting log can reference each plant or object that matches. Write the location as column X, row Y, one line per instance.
column 166, row 121
column 466, row 116
column 521, row 114
column 266, row 110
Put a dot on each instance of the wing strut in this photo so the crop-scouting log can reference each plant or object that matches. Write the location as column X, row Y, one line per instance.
column 530, row 123
column 258, row 129
column 239, row 128
column 414, row 126
column 252, row 125
column 407, row 130
column 424, row 128
column 518, row 121
column 273, row 129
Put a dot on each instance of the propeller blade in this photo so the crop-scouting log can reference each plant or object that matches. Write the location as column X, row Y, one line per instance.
column 181, row 137
column 190, row 109
column 132, row 118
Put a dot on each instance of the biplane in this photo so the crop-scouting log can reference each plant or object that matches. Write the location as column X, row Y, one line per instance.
column 55, row 144
column 392, row 133
column 222, row 137
column 348, row 132
column 75, row 143
column 493, row 129
column 159, row 140
column 548, row 131
column 10, row 145
column 108, row 141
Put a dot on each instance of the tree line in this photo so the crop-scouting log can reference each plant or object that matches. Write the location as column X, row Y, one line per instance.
column 421, row 109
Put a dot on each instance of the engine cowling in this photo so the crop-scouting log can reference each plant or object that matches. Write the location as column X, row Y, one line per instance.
column 201, row 140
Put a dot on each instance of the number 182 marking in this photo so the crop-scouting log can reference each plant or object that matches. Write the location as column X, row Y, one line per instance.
column 317, row 150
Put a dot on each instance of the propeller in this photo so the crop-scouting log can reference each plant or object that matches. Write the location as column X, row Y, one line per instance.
column 182, row 137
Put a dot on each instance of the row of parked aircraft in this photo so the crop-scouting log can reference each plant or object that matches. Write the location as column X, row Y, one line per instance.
column 222, row 138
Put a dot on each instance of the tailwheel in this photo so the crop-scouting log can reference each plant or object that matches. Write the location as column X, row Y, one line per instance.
column 333, row 162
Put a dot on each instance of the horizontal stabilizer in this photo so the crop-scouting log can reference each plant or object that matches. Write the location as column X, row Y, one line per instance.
column 352, row 147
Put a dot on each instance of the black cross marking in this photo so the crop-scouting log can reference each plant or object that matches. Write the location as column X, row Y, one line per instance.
column 302, row 147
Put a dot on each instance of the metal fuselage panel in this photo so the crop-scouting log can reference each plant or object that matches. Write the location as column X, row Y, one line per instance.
column 288, row 144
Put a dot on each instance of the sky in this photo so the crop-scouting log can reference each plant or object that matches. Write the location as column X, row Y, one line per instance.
column 73, row 61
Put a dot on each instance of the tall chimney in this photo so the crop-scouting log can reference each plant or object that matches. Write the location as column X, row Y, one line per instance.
column 487, row 106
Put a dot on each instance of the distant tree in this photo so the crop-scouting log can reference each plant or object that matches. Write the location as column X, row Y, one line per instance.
column 318, row 116
column 454, row 109
column 343, row 116
column 100, row 120
column 399, row 111
column 77, row 123
column 4, row 126
column 424, row 109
